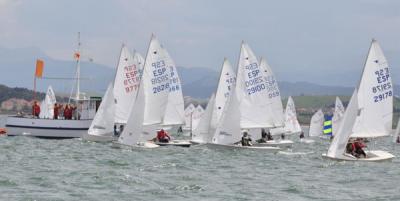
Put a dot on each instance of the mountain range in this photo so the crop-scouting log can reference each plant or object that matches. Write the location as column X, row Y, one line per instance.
column 18, row 67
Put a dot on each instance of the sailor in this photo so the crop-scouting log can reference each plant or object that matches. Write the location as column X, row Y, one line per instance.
column 35, row 109
column 115, row 130
column 263, row 136
column 121, row 128
column 246, row 140
column 162, row 136
column 398, row 139
column 301, row 135
column 358, row 146
column 282, row 136
column 180, row 130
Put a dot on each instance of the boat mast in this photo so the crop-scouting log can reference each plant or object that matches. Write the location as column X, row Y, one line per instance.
column 78, row 67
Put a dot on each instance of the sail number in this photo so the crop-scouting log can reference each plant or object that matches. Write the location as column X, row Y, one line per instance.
column 160, row 80
column 383, row 90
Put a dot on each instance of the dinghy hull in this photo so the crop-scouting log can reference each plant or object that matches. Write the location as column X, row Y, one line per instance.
column 263, row 148
column 179, row 143
column 372, row 156
column 276, row 143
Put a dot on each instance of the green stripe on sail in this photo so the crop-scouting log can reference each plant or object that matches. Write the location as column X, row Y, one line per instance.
column 327, row 123
column 328, row 131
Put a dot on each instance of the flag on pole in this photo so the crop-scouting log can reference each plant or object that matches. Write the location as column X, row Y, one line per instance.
column 39, row 68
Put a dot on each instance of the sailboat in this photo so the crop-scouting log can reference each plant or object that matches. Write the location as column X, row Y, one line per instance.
column 337, row 114
column 47, row 105
column 150, row 105
column 211, row 117
column 228, row 132
column 58, row 128
column 316, row 124
column 370, row 111
column 259, row 96
column 102, row 127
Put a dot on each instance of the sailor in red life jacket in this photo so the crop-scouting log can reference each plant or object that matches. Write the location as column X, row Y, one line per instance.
column 357, row 148
column 67, row 112
column 162, row 136
column 35, row 109
column 57, row 108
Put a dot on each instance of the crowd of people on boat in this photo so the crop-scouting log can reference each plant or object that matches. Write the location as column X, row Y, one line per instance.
column 67, row 111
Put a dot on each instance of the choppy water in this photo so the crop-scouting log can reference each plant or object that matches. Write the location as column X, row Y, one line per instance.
column 40, row 169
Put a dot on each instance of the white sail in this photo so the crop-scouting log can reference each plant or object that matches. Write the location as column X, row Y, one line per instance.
column 202, row 133
column 47, row 105
column 375, row 96
column 228, row 130
column 126, row 84
column 316, row 124
column 188, row 115
column 156, row 83
column 197, row 114
column 103, row 122
column 273, row 94
column 339, row 142
column 174, row 114
column 227, row 80
column 252, row 92
column 337, row 115
column 291, row 123
column 140, row 61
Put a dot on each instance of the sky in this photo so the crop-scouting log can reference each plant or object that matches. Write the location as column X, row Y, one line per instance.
column 296, row 37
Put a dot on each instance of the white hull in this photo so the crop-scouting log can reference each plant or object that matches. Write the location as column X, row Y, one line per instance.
column 372, row 156
column 148, row 145
column 179, row 143
column 276, row 143
column 263, row 148
column 99, row 138
column 50, row 128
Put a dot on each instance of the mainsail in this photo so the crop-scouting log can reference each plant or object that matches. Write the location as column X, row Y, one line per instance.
column 174, row 114
column 291, row 123
column 316, row 124
column 126, row 84
column 375, row 96
column 274, row 94
column 255, row 107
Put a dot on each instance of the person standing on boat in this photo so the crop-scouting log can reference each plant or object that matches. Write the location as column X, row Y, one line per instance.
column 67, row 112
column 57, row 108
column 269, row 136
column 246, row 140
column 162, row 136
column 35, row 109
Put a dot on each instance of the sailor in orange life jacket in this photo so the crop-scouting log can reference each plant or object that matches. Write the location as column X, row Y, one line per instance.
column 35, row 109
column 162, row 136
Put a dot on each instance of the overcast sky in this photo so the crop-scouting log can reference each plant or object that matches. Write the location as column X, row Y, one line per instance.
column 306, row 35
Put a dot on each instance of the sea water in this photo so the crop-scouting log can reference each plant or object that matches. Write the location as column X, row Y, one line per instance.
column 71, row 169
